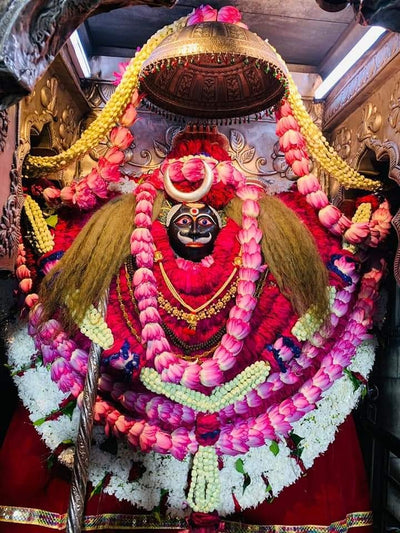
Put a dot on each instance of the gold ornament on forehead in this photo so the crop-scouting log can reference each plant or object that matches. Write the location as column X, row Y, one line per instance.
column 214, row 70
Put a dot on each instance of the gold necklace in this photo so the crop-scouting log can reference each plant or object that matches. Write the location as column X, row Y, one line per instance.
column 158, row 259
column 195, row 316
column 123, row 308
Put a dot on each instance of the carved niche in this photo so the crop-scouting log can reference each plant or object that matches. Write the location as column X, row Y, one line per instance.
column 51, row 117
column 380, row 160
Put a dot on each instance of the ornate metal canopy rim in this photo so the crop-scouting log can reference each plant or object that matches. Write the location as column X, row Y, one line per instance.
column 214, row 70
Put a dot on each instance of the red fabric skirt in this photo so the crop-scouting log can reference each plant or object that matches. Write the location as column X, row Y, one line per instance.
column 333, row 491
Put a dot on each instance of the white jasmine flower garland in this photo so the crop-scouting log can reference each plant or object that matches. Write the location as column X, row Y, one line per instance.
column 317, row 429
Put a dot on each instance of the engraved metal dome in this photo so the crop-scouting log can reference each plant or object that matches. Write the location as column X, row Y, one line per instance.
column 213, row 70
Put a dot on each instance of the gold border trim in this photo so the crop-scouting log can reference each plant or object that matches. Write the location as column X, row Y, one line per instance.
column 50, row 520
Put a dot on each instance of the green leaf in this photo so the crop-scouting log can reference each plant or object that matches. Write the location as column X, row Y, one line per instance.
column 246, row 481
column 52, row 221
column 40, row 421
column 69, row 409
column 239, row 466
column 355, row 382
column 274, row 447
column 296, row 438
column 99, row 487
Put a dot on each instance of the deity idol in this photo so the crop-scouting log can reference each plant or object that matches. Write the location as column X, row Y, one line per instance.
column 232, row 326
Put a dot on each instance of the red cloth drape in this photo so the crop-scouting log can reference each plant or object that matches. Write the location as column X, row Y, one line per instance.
column 334, row 487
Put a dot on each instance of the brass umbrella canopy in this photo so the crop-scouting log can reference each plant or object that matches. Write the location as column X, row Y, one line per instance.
column 213, row 70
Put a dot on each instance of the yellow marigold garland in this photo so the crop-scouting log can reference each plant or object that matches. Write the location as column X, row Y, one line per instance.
column 42, row 239
column 112, row 110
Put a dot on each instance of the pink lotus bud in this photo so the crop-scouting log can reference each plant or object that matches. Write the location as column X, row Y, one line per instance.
column 308, row 184
column 210, row 374
column 225, row 358
column 180, row 442
column 121, row 137
column 251, row 208
column 148, row 437
column 173, row 374
column 31, row 300
column 122, row 425
column 229, row 14
column 51, row 195
column 295, row 154
column 291, row 139
column 191, row 377
column 301, row 168
column 329, row 215
column 58, row 368
column 84, row 197
column 278, row 421
column 344, row 223
column 25, row 285
column 143, row 275
column 114, row 156
column 286, row 123
column 97, row 184
column 20, row 260
column 321, row 380
column 285, row 110
column 151, row 332
column 252, row 261
column 143, row 220
column 67, row 194
column 245, row 288
column 135, row 431
column 129, row 116
column 135, row 98
column 22, row 272
column 301, row 402
column 78, row 361
column 311, row 392
column 193, row 170
column 287, row 408
column 109, row 172
column 357, row 232
column 317, row 199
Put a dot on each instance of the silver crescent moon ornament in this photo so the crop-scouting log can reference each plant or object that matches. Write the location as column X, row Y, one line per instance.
column 192, row 196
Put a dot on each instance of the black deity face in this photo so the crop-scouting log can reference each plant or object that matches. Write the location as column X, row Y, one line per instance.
column 192, row 231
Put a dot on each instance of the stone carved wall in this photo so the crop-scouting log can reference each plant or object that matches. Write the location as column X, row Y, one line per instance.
column 369, row 124
column 10, row 190
column 253, row 144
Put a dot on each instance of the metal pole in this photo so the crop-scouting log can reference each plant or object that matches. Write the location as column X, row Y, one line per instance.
column 83, row 443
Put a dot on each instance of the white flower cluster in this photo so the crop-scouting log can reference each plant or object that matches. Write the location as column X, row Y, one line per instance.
column 309, row 323
column 224, row 395
column 268, row 473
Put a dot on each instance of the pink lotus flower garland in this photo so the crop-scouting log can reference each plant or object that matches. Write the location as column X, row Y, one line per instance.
column 67, row 360
column 86, row 193
column 24, row 277
column 256, row 421
column 293, row 145
column 158, row 350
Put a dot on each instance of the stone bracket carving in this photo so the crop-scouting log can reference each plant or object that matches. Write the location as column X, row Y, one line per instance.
column 33, row 32
column 9, row 221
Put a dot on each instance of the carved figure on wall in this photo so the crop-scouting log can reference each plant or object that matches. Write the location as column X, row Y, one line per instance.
column 216, row 335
